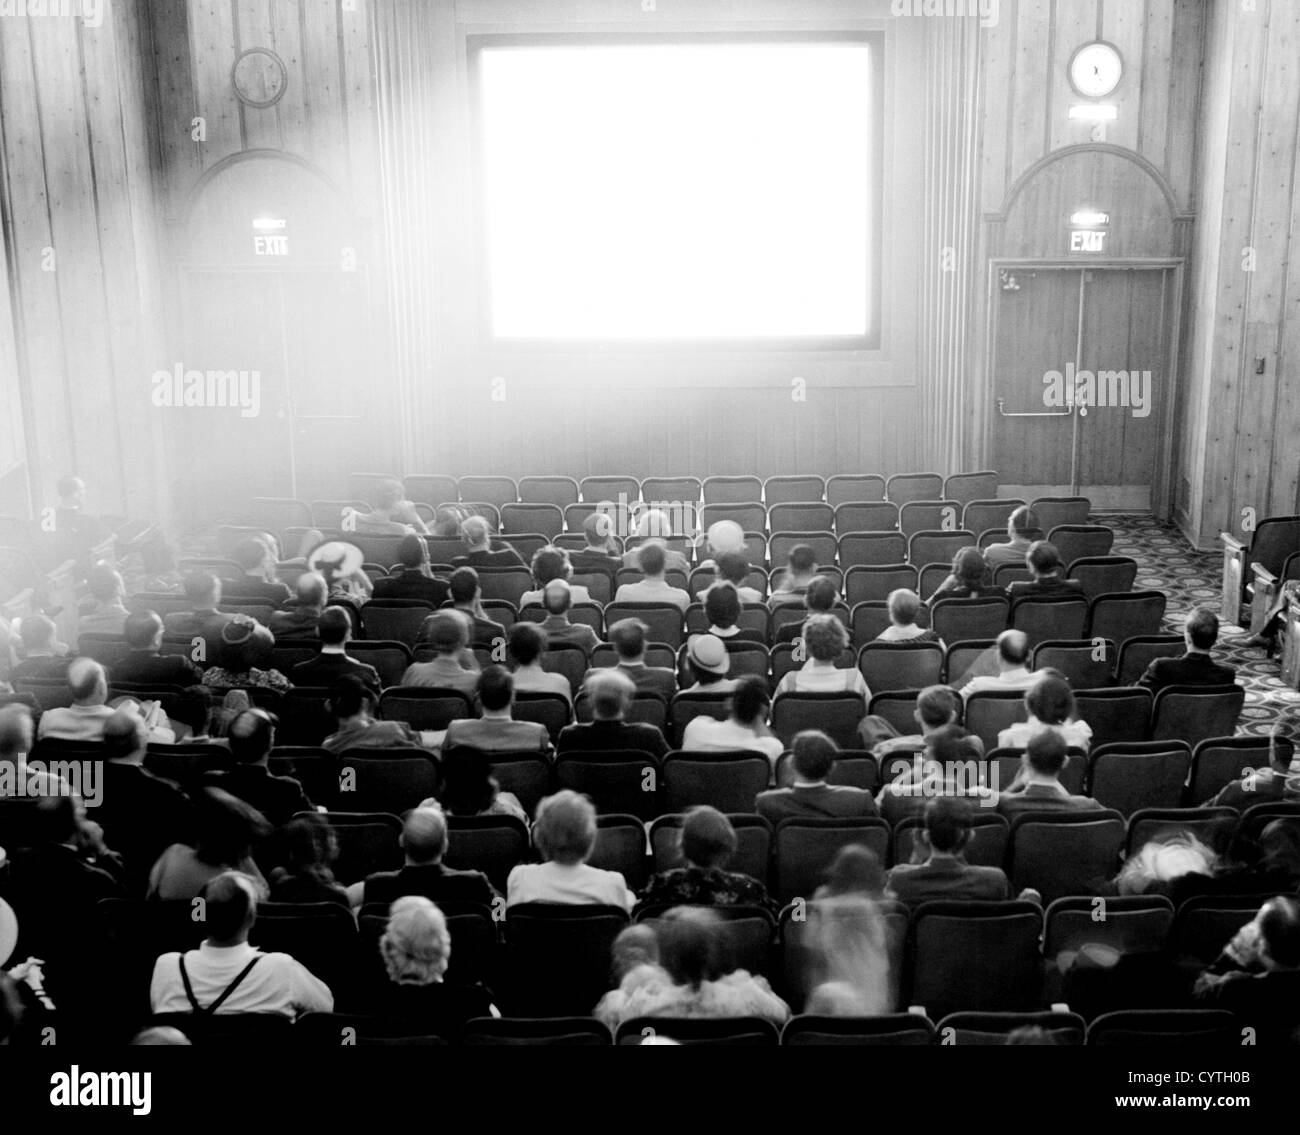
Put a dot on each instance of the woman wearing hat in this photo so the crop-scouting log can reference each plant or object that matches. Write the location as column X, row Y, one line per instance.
column 709, row 662
column 242, row 658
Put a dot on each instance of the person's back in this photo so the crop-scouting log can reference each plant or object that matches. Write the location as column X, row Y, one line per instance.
column 1042, row 790
column 813, row 757
column 1022, row 526
column 497, row 736
column 1196, row 667
column 705, row 734
column 944, row 873
column 612, row 736
column 432, row 880
column 408, row 584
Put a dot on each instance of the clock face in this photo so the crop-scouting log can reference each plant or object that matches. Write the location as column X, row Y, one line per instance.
column 1095, row 70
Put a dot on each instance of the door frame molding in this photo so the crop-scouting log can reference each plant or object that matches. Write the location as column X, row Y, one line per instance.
column 1162, row 474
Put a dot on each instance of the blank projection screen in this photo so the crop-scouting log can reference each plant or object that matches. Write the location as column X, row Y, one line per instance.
column 680, row 191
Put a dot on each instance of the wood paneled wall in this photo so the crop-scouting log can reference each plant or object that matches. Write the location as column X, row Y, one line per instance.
column 79, row 215
column 1243, row 407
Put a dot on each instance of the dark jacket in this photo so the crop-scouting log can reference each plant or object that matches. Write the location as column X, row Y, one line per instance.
column 326, row 669
column 412, row 585
column 149, row 668
column 612, row 736
column 432, row 880
column 1192, row 669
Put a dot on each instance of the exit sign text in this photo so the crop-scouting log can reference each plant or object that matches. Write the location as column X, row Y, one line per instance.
column 1087, row 240
column 270, row 245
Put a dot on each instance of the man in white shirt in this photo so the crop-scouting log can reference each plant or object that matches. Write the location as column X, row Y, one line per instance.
column 1022, row 530
column 654, row 527
column 1013, row 674
column 108, row 616
column 525, row 645
column 552, row 563
column 565, row 833
column 745, row 727
column 227, row 975
column 84, row 719
column 654, row 588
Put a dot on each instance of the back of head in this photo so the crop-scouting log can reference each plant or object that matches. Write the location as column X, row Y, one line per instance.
column 106, row 584
column 1050, row 699
column 16, row 730
column 1202, row 628
column 526, row 643
column 1046, row 752
column 1043, row 558
column 468, row 787
column 596, row 529
column 904, row 606
column 722, row 605
column 825, row 637
column 227, row 828
column 311, row 589
column 160, row 1036
column 251, row 736
column 689, row 946
column 334, row 626
column 654, row 523
column 969, row 567
column 708, row 839
column 856, row 869
column 822, row 594
column 628, row 637
column 424, row 835
column 251, row 554
column 349, row 697
column 937, row 705
column 610, row 693
column 56, row 812
column 476, row 531
column 412, row 552
column 1013, row 648
column 1163, row 860
column 202, row 589
column 565, row 828
column 230, row 906
column 750, row 699
column 125, row 735
column 416, row 945
column 550, row 563
column 141, row 629
column 309, row 844
column 948, row 823
column 71, row 488
column 651, row 558
column 1279, row 931
column 463, row 585
column 387, row 495
column 802, row 559
column 1023, row 522
column 733, row 567
column 557, row 597
column 87, row 682
column 813, row 754
column 37, row 632
column 496, row 688
column 446, row 631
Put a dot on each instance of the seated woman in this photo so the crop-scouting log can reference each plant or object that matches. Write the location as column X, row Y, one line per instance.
column 565, row 833
column 243, row 658
column 416, row 948
column 1155, row 866
column 310, row 848
column 469, row 788
column 824, row 639
column 850, row 966
column 693, row 978
column 1050, row 703
column 855, row 870
column 969, row 579
column 227, row 829
column 708, row 842
column 1044, row 563
column 904, row 607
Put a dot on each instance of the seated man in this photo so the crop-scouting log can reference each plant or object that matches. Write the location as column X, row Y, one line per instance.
column 1022, row 530
column 415, row 580
column 145, row 664
column 333, row 662
column 937, row 708
column 552, row 563
column 1257, row 976
column 609, row 730
column 497, row 731
column 800, row 572
column 709, row 663
column 303, row 617
column 654, row 588
column 1013, row 674
column 84, row 719
column 424, row 844
column 465, row 597
column 557, row 598
column 392, row 515
column 479, row 553
column 733, row 568
column 904, row 610
column 745, row 727
column 351, row 702
column 722, row 609
column 42, row 655
column 1197, row 667
column 628, row 637
column 203, row 590
column 278, row 798
column 448, row 635
column 1044, row 563
column 949, row 765
column 938, row 869
column 525, row 646
column 600, row 552
column 108, row 615
column 819, row 599
column 813, row 757
column 258, row 584
column 1261, row 785
column 1040, row 788
column 654, row 527
column 227, row 975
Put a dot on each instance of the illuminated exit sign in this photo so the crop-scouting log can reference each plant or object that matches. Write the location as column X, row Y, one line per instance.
column 270, row 237
column 1087, row 240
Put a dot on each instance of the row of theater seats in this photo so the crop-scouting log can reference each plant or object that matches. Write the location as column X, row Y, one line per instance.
column 543, row 960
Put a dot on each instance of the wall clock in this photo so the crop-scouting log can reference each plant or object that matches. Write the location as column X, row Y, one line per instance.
column 259, row 77
column 1095, row 69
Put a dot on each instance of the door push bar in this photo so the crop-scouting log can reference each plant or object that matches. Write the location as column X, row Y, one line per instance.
column 1036, row 414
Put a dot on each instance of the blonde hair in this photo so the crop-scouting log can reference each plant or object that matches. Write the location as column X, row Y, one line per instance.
column 416, row 946
column 1162, row 860
column 565, row 828
column 850, row 941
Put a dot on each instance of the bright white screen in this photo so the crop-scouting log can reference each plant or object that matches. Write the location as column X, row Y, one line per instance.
column 678, row 191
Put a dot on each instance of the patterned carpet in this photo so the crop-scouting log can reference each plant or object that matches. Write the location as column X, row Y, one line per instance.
column 1168, row 563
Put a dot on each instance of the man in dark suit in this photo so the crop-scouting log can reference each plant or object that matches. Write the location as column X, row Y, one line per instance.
column 597, row 555
column 203, row 590
column 611, row 696
column 414, row 581
column 1262, row 785
column 256, row 585
column 1196, row 667
column 333, row 662
column 278, row 798
column 813, row 757
column 144, row 664
column 1042, row 790
column 939, row 869
column 42, row 655
column 424, row 842
column 300, row 620
column 629, row 639
column 820, row 598
column 465, row 598
column 1044, row 563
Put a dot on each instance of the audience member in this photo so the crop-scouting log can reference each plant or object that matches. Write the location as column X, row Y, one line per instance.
column 938, row 869
column 1160, row 862
column 654, row 528
column 733, row 568
column 855, row 870
column 1197, row 667
column 652, row 559
column 722, row 609
column 937, row 708
column 333, row 662
column 628, row 637
column 1022, row 530
column 352, row 702
column 108, row 615
column 145, row 664
column 415, row 579
column 949, row 765
column 820, row 599
column 969, row 578
column 1039, row 786
column 1013, row 674
column 1257, row 976
column 746, row 725
column 203, row 620
column 813, row 757
column 849, row 971
column 479, row 553
column 551, row 563
column 1050, row 704
column 43, row 656
column 801, row 570
column 707, row 843
column 243, row 658
column 84, row 719
column 310, row 848
column 525, row 647
column 609, row 731
column 424, row 844
column 257, row 559
column 226, row 828
column 391, row 515
column 565, row 834
column 251, row 737
column 470, row 789
column 904, row 609
column 825, row 640
column 601, row 551
column 557, row 598
column 496, row 731
column 302, row 620
column 1261, row 785
column 1047, row 572
column 709, row 663
column 465, row 597
column 447, row 632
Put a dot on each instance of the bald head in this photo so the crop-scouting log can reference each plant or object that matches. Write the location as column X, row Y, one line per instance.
column 15, row 731
column 1013, row 649
column 312, row 590
column 231, row 908
column 87, row 681
column 424, row 836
